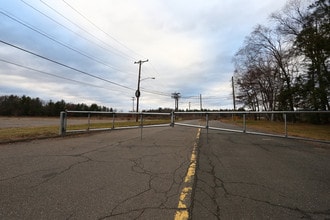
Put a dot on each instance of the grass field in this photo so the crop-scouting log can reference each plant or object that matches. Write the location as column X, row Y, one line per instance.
column 305, row 130
column 35, row 132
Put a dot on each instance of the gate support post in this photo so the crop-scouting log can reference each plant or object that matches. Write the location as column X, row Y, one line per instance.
column 244, row 123
column 172, row 119
column 285, row 126
column 113, row 120
column 63, row 117
column 207, row 127
column 141, row 123
column 89, row 121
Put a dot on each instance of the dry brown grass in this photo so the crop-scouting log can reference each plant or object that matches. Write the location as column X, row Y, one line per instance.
column 28, row 133
column 305, row 130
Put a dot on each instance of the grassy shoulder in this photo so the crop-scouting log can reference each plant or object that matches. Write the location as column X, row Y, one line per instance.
column 29, row 133
column 304, row 130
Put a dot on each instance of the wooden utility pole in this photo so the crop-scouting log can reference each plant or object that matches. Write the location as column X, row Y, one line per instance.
column 176, row 96
column 138, row 93
column 232, row 84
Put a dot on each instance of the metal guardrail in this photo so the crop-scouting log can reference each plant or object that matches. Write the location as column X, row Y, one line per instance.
column 202, row 116
column 64, row 118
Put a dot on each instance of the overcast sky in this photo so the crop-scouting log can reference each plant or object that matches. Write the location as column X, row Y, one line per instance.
column 189, row 45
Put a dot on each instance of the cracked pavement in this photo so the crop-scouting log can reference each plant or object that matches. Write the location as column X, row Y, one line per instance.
column 241, row 176
column 107, row 175
column 116, row 175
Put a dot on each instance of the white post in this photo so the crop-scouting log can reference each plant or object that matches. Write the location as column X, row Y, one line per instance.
column 63, row 116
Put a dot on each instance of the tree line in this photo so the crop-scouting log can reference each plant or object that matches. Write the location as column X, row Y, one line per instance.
column 285, row 65
column 13, row 105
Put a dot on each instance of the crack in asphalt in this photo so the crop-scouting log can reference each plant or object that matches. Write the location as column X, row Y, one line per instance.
column 62, row 172
column 82, row 155
column 162, row 183
column 171, row 190
column 214, row 182
column 68, row 168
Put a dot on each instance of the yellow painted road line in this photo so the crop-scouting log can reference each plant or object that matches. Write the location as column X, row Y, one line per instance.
column 185, row 196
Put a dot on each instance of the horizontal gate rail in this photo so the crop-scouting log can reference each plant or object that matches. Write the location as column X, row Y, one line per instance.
column 64, row 119
column 177, row 118
column 225, row 129
column 189, row 125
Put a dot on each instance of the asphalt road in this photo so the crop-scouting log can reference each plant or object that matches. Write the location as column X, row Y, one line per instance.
column 116, row 175
column 241, row 176
column 107, row 175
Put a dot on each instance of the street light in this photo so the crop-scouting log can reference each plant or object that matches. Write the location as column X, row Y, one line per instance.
column 138, row 94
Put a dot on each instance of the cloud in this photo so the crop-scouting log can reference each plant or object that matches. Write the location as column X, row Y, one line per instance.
column 189, row 45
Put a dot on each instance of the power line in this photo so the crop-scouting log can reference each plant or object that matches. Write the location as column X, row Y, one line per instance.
column 100, row 29
column 50, row 74
column 72, row 80
column 120, row 53
column 77, row 70
column 97, row 27
column 57, row 41
column 64, row 65
column 205, row 97
column 156, row 92
column 120, row 43
column 77, row 34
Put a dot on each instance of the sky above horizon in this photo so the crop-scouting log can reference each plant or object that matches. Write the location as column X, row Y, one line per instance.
column 85, row 51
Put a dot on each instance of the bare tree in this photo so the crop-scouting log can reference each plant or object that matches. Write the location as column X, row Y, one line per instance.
column 306, row 25
column 267, row 59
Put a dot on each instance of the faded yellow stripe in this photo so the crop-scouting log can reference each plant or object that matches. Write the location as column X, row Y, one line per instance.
column 183, row 213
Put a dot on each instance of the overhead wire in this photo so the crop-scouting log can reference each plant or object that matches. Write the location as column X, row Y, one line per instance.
column 77, row 70
column 31, row 27
column 50, row 74
column 77, row 34
column 64, row 65
column 156, row 92
column 87, row 32
column 71, row 48
column 100, row 29
column 107, row 34
column 67, row 46
column 60, row 77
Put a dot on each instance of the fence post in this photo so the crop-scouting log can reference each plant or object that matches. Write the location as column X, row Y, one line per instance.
column 207, row 127
column 113, row 120
column 244, row 123
column 63, row 116
column 141, row 123
column 285, row 125
column 172, row 119
column 89, row 121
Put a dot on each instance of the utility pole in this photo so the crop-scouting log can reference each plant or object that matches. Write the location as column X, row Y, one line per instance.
column 200, row 101
column 232, row 84
column 133, row 98
column 138, row 93
column 176, row 96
